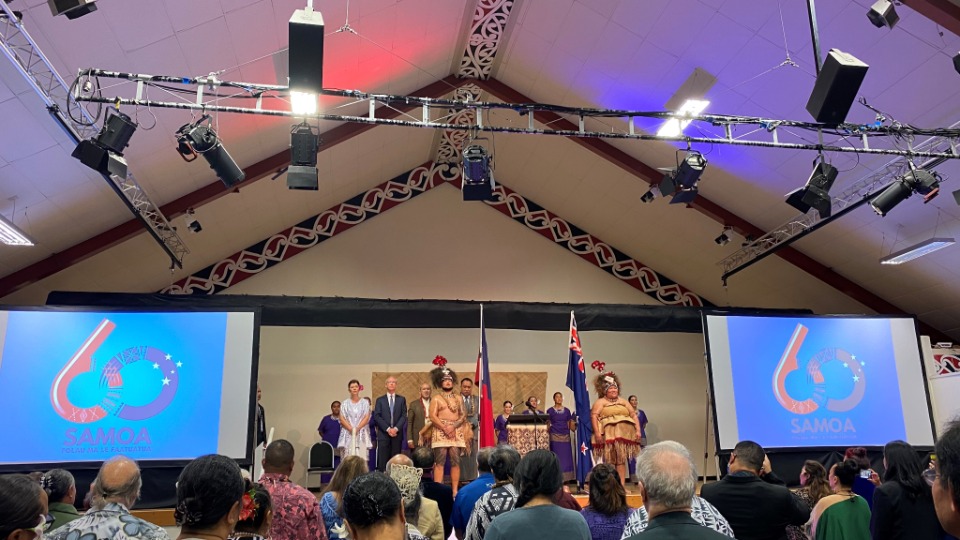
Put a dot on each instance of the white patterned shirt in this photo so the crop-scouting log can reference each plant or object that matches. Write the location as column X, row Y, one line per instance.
column 493, row 503
column 701, row 511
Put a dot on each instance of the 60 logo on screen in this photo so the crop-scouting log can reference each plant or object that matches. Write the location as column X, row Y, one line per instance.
column 81, row 394
column 833, row 378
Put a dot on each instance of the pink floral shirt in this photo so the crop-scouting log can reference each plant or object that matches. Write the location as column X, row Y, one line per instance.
column 296, row 511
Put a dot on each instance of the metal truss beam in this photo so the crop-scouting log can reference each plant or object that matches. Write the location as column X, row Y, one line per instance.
column 30, row 61
column 850, row 138
column 856, row 195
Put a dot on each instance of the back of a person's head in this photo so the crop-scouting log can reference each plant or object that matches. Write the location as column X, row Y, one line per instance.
column 407, row 478
column 750, row 455
column 538, row 473
column 858, row 454
column 607, row 495
column 349, row 470
column 903, row 466
column 255, row 506
column 118, row 481
column 278, row 455
column 423, row 458
column 483, row 459
column 22, row 502
column 57, row 484
column 817, row 483
column 668, row 475
column 846, row 471
column 372, row 499
column 948, row 465
column 503, row 462
column 208, row 488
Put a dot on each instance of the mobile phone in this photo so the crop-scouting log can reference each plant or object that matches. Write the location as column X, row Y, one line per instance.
column 865, row 474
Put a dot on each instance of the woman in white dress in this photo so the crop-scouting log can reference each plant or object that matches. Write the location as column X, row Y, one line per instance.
column 354, row 417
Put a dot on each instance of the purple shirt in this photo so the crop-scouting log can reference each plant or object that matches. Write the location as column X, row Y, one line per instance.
column 329, row 430
column 642, row 418
column 500, row 425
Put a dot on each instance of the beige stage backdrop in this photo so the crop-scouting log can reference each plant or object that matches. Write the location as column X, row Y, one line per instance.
column 513, row 386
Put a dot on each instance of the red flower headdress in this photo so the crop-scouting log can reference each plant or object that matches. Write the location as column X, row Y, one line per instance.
column 249, row 505
column 441, row 372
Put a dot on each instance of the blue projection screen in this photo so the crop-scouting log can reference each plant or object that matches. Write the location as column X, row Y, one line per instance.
column 814, row 382
column 82, row 386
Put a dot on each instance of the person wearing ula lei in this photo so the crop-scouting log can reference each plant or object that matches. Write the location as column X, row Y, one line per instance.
column 448, row 418
column 616, row 430
column 354, row 418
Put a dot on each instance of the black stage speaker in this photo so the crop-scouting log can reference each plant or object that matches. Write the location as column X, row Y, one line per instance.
column 836, row 87
column 306, row 51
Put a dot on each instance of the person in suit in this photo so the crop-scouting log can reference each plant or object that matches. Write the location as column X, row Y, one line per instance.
column 418, row 416
column 261, row 421
column 471, row 406
column 390, row 416
column 668, row 482
column 754, row 501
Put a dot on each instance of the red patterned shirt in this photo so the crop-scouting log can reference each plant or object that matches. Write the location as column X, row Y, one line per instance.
column 296, row 511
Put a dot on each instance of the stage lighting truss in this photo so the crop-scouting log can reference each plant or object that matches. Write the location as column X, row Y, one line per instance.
column 856, row 195
column 272, row 100
column 80, row 124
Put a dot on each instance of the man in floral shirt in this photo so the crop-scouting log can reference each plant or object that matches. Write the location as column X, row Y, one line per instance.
column 115, row 490
column 296, row 511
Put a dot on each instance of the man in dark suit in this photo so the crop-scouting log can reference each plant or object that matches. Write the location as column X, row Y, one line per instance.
column 754, row 501
column 442, row 494
column 471, row 407
column 668, row 481
column 390, row 416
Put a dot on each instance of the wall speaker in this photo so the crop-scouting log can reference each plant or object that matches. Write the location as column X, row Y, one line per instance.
column 836, row 87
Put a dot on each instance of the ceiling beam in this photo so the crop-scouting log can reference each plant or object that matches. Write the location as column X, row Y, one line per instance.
column 943, row 12
column 708, row 208
column 208, row 193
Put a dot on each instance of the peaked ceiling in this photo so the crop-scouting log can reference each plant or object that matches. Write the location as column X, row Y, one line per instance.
column 596, row 53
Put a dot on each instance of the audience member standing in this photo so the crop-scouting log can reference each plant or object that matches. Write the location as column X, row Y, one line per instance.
column 349, row 470
column 373, row 508
column 701, row 511
column 471, row 407
column 390, row 416
column 537, row 479
column 843, row 515
column 903, row 504
column 61, row 494
column 561, row 424
column 418, row 417
column 668, row 481
column 23, row 508
column 469, row 494
column 354, row 418
column 501, row 498
column 867, row 479
column 433, row 490
column 209, row 498
column 500, row 424
column 608, row 511
column 422, row 514
column 814, row 486
column 296, row 511
column 115, row 490
column 329, row 430
column 944, row 478
column 256, row 514
column 755, row 509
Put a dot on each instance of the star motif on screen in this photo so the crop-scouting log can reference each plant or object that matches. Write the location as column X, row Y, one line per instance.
column 862, row 363
column 165, row 381
column 845, row 364
column 173, row 371
column 168, row 357
column 856, row 378
column 179, row 364
column 853, row 357
column 156, row 365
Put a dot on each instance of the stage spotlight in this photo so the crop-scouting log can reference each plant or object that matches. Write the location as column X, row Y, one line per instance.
column 918, row 180
column 649, row 196
column 73, row 9
column 302, row 173
column 723, row 239
column 104, row 153
column 883, row 13
column 198, row 139
column 303, row 103
column 683, row 182
column 816, row 194
column 478, row 182
column 305, row 56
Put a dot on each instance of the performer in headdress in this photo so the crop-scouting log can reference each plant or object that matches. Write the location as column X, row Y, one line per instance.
column 449, row 424
column 616, row 431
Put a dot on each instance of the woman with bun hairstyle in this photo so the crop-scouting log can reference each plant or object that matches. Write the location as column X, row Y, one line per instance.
column 843, row 515
column 209, row 498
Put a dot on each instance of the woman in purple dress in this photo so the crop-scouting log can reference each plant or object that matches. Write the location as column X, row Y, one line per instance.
column 329, row 430
column 533, row 404
column 642, row 418
column 608, row 511
column 500, row 424
column 561, row 424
